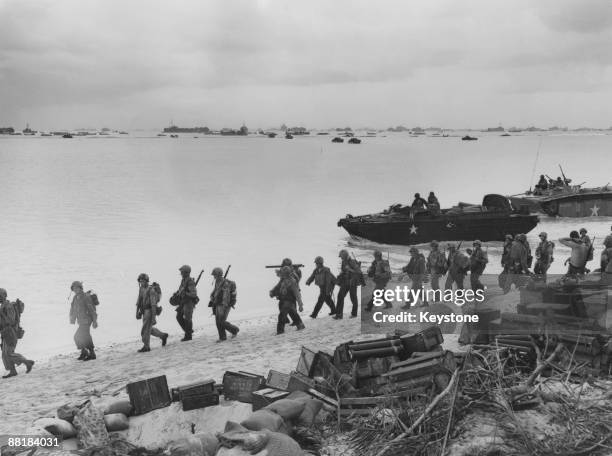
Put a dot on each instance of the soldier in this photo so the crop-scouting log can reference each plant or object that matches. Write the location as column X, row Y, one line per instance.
column 418, row 203
column 349, row 279
column 433, row 204
column 579, row 255
column 147, row 309
column 608, row 240
column 297, row 275
column 326, row 281
column 288, row 294
column 436, row 265
column 380, row 272
column 416, row 269
column 518, row 262
column 544, row 255
column 478, row 263
column 505, row 258
column 83, row 312
column 542, row 183
column 222, row 300
column 187, row 298
column 10, row 331
column 457, row 265
column 584, row 237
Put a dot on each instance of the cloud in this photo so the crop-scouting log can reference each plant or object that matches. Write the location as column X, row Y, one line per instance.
column 577, row 16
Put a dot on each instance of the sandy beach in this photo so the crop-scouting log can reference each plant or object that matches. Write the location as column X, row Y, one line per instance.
column 256, row 349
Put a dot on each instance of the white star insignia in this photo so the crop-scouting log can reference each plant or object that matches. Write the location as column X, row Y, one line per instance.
column 413, row 229
column 450, row 225
column 595, row 211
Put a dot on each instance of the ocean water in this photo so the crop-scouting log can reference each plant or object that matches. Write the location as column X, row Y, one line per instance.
column 104, row 209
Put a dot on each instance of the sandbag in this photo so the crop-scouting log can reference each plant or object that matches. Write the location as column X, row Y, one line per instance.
column 116, row 422
column 57, row 427
column 67, row 411
column 265, row 419
column 91, row 430
column 124, row 407
column 258, row 442
column 288, row 409
column 186, row 446
column 210, row 443
column 312, row 407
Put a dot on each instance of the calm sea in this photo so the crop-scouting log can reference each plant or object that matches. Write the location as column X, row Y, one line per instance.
column 104, row 209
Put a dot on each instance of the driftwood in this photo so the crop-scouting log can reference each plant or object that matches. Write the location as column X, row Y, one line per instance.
column 427, row 411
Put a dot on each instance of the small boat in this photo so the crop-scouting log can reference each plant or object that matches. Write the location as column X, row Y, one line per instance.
column 337, row 139
column 403, row 225
column 506, row 134
column 469, row 138
column 288, row 136
column 174, row 136
column 321, row 133
column 354, row 141
column 46, row 134
column 161, row 134
column 67, row 135
column 271, row 135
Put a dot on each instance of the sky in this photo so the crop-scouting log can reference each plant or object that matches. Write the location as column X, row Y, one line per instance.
column 322, row 63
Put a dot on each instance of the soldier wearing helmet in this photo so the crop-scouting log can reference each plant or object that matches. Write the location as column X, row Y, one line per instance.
column 222, row 300
column 288, row 295
column 147, row 309
column 10, row 314
column 436, row 264
column 519, row 262
column 326, row 281
column 505, row 258
column 380, row 272
column 458, row 265
column 544, row 256
column 418, row 203
column 185, row 299
column 349, row 279
column 83, row 312
column 416, row 270
column 478, row 263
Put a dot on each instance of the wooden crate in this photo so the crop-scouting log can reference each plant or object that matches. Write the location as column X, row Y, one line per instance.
column 239, row 386
column 299, row 382
column 423, row 341
column 148, row 395
column 278, row 380
column 192, row 389
column 266, row 396
column 306, row 362
column 198, row 401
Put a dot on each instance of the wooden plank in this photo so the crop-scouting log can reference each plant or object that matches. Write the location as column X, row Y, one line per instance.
column 415, row 369
column 375, row 400
column 328, row 400
column 416, row 360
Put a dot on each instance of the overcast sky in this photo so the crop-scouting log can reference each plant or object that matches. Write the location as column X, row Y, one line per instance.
column 454, row 63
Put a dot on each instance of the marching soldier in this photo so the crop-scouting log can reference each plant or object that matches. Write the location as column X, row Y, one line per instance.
column 288, row 295
column 416, row 269
column 505, row 258
column 457, row 265
column 380, row 272
column 11, row 332
column 436, row 265
column 544, row 255
column 147, row 309
column 325, row 280
column 185, row 299
column 478, row 263
column 83, row 312
column 349, row 279
column 222, row 300
column 518, row 262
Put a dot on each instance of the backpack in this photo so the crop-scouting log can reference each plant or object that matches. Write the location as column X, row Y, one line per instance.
column 19, row 307
column 157, row 289
column 94, row 298
column 233, row 294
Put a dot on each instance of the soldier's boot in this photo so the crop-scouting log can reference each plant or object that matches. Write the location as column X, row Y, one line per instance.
column 12, row 373
column 186, row 338
column 91, row 355
column 300, row 327
column 236, row 333
column 84, row 355
column 29, row 364
column 144, row 350
column 164, row 339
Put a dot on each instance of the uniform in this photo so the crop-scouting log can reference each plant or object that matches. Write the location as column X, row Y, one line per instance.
column 223, row 299
column 288, row 295
column 436, row 266
column 380, row 272
column 146, row 306
column 83, row 312
column 326, row 281
column 188, row 296
column 478, row 263
column 9, row 326
column 348, row 279
column 544, row 257
column 416, row 270
column 458, row 265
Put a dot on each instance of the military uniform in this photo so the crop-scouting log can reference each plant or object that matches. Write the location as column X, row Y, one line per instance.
column 458, row 265
column 416, row 270
column 326, row 281
column 188, row 297
column 288, row 295
column 146, row 308
column 223, row 299
column 544, row 256
column 9, row 327
column 348, row 279
column 380, row 272
column 478, row 263
column 436, row 266
column 83, row 312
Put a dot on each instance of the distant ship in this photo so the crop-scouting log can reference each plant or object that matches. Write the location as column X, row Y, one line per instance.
column 242, row 131
column 29, row 132
column 496, row 129
column 175, row 129
column 469, row 138
column 337, row 139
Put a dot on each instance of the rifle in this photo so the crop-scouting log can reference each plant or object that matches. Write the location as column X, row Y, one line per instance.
column 176, row 298
column 565, row 181
column 589, row 252
column 199, row 277
column 211, row 302
column 278, row 266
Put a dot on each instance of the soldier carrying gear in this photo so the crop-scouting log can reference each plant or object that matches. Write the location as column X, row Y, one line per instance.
column 416, row 270
column 10, row 333
column 380, row 272
column 288, row 294
column 419, row 203
column 458, row 265
column 147, row 308
column 478, row 263
column 436, row 265
column 187, row 298
column 83, row 312
column 326, row 281
column 222, row 299
column 505, row 259
column 544, row 256
column 349, row 279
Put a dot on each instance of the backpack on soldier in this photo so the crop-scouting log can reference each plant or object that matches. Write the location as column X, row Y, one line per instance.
column 233, row 294
column 19, row 307
column 94, row 298
column 157, row 289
